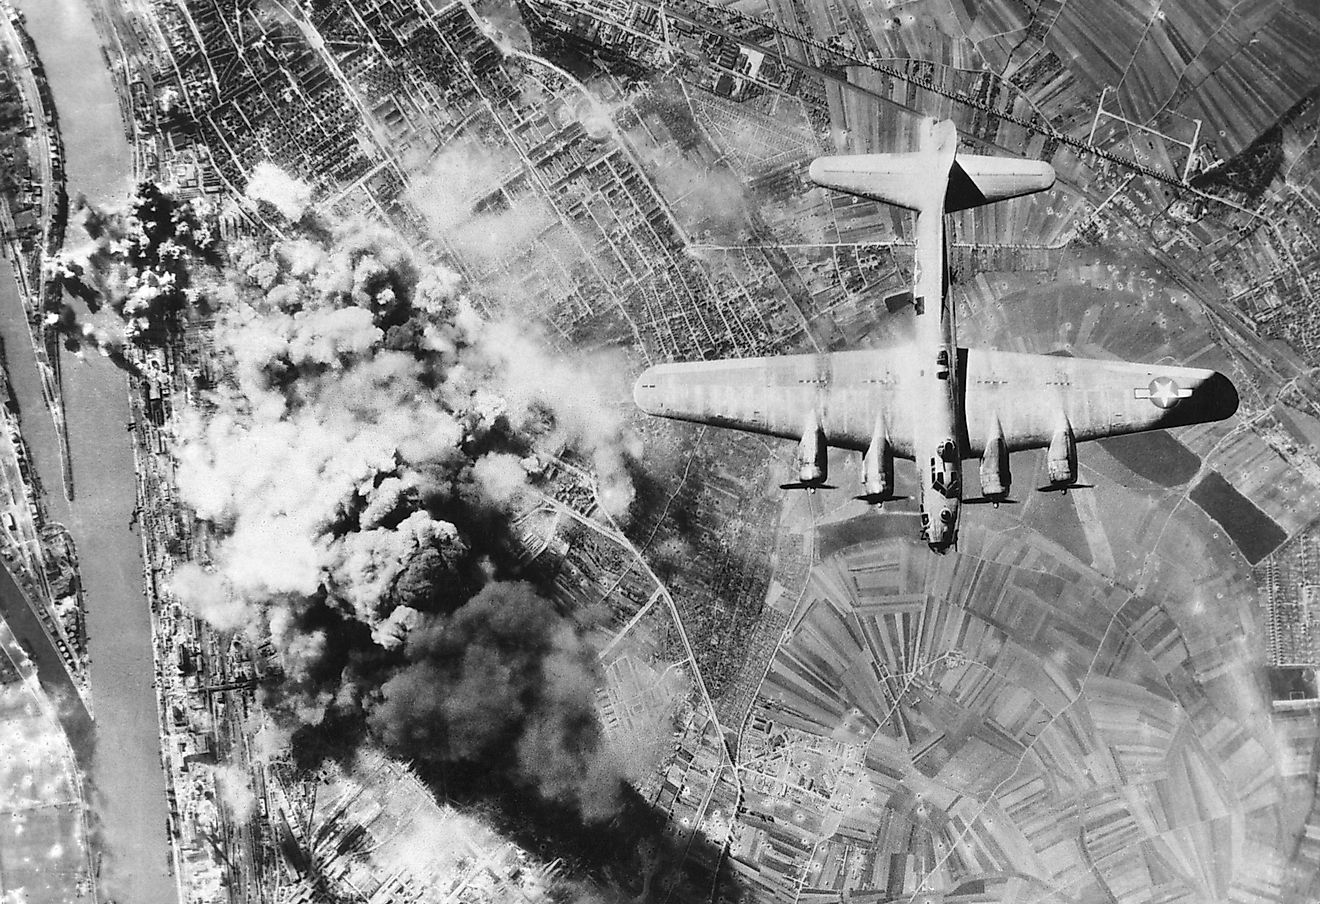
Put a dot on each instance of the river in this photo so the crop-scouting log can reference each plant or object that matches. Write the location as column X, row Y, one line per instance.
column 25, row 385
column 126, row 774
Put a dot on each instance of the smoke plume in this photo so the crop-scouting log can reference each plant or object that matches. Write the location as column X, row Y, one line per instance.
column 360, row 466
column 505, row 652
column 464, row 194
column 132, row 271
column 289, row 195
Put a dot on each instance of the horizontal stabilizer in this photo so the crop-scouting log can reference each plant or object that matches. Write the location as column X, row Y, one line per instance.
column 976, row 180
column 904, row 180
column 935, row 174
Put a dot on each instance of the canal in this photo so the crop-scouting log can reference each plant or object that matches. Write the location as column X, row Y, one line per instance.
column 126, row 774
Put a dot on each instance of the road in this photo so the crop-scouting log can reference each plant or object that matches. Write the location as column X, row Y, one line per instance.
column 1239, row 333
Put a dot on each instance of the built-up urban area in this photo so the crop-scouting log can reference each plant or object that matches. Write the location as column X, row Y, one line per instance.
column 1104, row 695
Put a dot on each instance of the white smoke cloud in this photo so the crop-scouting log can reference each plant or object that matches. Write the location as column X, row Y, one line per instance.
column 234, row 787
column 366, row 563
column 433, row 840
column 393, row 630
column 208, row 596
column 702, row 194
column 129, row 271
column 287, row 194
column 269, row 741
column 596, row 116
column 462, row 194
column 503, row 477
column 531, row 376
column 360, row 467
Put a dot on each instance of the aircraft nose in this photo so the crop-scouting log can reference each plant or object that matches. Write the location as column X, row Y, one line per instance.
column 818, row 172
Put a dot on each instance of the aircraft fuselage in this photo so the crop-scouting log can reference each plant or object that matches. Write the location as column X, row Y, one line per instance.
column 927, row 399
column 935, row 411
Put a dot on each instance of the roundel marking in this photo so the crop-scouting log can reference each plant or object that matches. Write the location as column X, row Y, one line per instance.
column 1164, row 392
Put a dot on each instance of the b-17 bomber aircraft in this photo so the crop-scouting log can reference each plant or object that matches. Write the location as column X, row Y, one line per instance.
column 929, row 399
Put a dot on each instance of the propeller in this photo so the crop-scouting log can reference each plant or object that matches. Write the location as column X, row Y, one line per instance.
column 799, row 485
column 984, row 500
column 879, row 498
column 1063, row 488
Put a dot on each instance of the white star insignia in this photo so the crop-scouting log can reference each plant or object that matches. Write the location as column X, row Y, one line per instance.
column 1163, row 392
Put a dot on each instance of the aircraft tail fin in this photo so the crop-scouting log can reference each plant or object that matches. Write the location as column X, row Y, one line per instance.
column 934, row 176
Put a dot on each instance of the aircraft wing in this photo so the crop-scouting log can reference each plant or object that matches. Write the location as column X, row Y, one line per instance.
column 1030, row 393
column 847, row 392
column 776, row 396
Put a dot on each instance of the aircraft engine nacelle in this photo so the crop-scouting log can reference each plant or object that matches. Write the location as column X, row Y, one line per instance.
column 1061, row 462
column 813, row 465
column 996, row 477
column 878, row 466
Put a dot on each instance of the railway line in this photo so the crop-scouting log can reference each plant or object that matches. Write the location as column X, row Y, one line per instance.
column 1033, row 124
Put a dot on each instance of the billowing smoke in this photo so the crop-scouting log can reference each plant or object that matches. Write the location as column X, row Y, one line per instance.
column 359, row 464
column 710, row 197
column 234, row 788
column 132, row 271
column 360, row 467
column 515, row 677
column 287, row 194
column 462, row 195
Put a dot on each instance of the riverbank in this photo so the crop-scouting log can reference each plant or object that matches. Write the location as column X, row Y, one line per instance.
column 34, row 89
column 126, row 773
column 33, row 212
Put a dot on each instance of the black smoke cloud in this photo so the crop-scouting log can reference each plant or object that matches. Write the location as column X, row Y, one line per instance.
column 359, row 464
column 131, row 271
column 361, row 468
column 504, row 652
